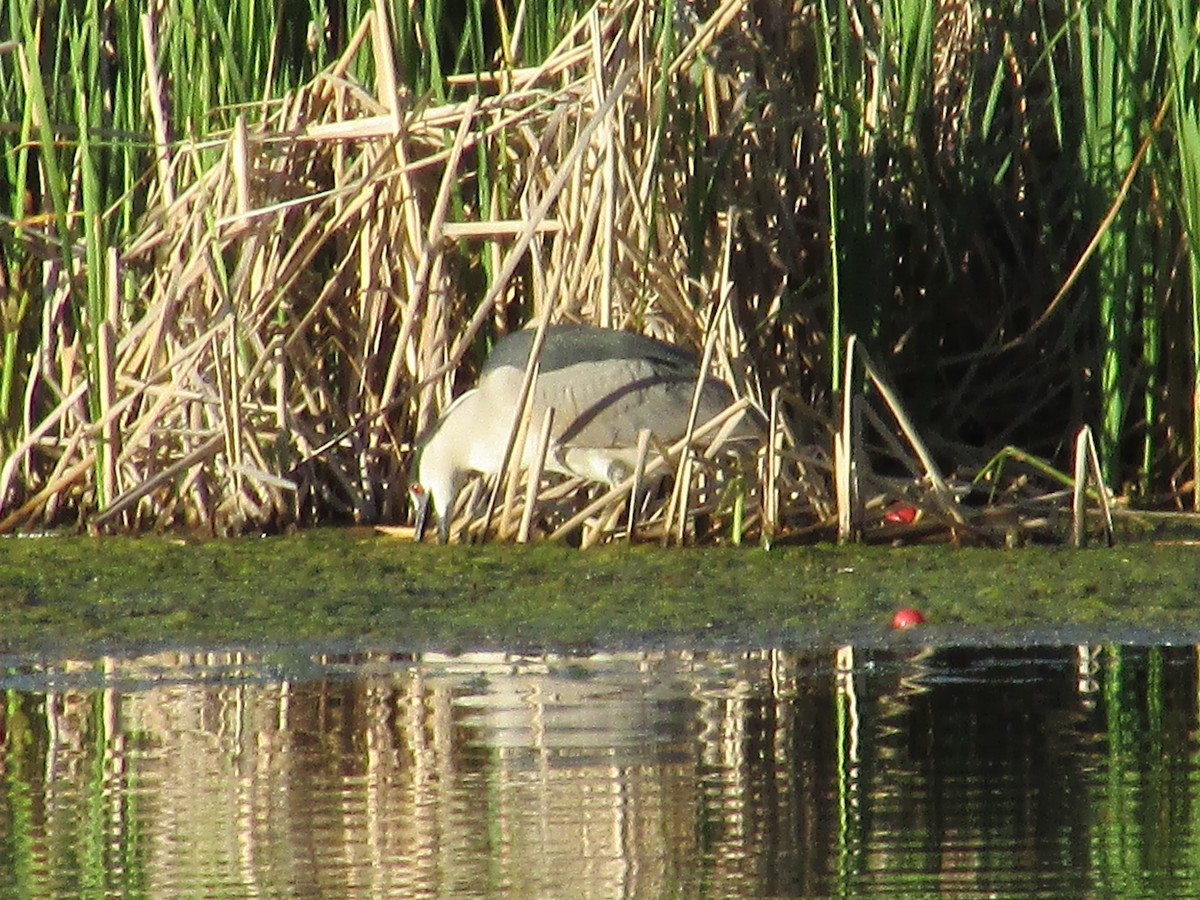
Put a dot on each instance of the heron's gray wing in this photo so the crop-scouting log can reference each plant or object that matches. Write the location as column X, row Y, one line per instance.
column 606, row 403
column 604, row 385
column 570, row 344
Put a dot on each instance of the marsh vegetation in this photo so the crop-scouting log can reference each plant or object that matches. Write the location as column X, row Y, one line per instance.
column 250, row 251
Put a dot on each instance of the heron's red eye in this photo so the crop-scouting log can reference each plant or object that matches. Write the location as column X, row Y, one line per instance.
column 416, row 489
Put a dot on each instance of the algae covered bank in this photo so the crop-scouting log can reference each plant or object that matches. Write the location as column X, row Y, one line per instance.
column 355, row 587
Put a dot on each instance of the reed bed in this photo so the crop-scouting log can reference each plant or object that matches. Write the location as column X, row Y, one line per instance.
column 312, row 286
column 245, row 314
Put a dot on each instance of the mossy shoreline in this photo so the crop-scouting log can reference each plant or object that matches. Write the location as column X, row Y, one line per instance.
column 351, row 588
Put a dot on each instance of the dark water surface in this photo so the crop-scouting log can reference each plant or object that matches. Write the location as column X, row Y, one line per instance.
column 855, row 771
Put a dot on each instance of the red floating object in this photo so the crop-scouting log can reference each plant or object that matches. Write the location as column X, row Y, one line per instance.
column 901, row 514
column 907, row 618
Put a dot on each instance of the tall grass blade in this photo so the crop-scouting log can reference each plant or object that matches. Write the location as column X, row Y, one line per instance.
column 1115, row 52
column 1183, row 43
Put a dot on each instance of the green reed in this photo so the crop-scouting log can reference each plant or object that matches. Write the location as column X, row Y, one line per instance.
column 1182, row 25
column 845, row 96
column 963, row 187
column 1139, row 68
column 1113, row 65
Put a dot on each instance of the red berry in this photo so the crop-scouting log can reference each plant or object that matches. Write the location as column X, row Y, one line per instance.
column 907, row 618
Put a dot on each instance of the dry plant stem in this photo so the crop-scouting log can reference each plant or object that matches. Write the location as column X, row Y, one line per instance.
column 679, row 503
column 937, row 482
column 430, row 249
column 497, row 228
column 510, row 475
column 342, row 66
column 386, row 84
column 1102, row 490
column 510, row 464
column 1079, row 500
column 639, row 471
column 535, row 477
column 608, row 177
column 230, row 416
column 849, row 504
column 1087, row 466
column 154, row 92
column 771, row 472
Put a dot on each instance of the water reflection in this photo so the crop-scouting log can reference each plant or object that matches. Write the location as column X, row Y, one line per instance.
column 962, row 771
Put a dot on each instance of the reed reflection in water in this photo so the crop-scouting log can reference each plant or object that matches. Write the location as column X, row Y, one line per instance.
column 961, row 771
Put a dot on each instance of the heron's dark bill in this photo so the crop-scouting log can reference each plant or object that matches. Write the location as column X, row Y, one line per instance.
column 420, row 500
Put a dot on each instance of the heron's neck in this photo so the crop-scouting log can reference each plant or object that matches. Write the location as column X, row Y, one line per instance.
column 440, row 477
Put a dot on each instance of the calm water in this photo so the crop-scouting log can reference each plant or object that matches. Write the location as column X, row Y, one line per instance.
column 1068, row 771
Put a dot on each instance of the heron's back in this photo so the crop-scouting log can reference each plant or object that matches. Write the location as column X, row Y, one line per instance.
column 604, row 385
column 569, row 345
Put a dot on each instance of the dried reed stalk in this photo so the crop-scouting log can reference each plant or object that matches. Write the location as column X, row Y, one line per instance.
column 310, row 289
column 1087, row 468
column 535, row 477
column 639, row 472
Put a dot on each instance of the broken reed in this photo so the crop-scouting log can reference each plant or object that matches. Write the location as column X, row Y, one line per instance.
column 971, row 160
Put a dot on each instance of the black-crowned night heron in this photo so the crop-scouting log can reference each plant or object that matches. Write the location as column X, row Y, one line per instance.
column 605, row 387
